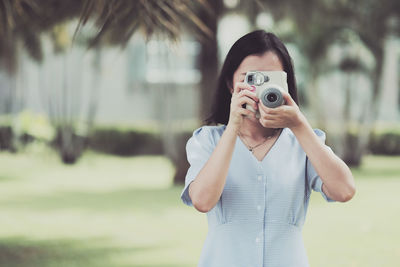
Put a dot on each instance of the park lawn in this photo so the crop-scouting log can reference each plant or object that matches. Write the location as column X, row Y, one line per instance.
column 113, row 211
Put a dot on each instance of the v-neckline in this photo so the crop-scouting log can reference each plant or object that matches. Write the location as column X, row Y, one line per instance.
column 269, row 151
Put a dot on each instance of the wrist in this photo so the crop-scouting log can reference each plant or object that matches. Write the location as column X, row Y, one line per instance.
column 232, row 128
column 300, row 124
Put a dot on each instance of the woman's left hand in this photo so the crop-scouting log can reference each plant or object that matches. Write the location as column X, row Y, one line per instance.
column 287, row 115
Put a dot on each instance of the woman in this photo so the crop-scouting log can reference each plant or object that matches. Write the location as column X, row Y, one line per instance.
column 253, row 176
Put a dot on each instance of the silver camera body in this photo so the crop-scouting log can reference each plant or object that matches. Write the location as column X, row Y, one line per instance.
column 269, row 86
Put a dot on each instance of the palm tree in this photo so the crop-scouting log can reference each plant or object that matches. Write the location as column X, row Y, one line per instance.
column 116, row 21
column 318, row 23
column 21, row 23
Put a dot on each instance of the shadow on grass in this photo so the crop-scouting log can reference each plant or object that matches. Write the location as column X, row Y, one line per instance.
column 21, row 252
column 4, row 178
column 130, row 199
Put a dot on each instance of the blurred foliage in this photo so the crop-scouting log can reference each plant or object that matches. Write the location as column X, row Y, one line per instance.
column 130, row 140
column 125, row 142
column 312, row 25
column 318, row 25
column 351, row 64
column 24, row 129
column 385, row 142
column 25, row 20
column 117, row 21
column 36, row 125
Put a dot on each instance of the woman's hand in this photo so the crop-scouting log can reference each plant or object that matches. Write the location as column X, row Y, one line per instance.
column 242, row 94
column 284, row 116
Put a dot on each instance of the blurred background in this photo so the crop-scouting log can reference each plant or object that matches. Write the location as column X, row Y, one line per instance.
column 98, row 99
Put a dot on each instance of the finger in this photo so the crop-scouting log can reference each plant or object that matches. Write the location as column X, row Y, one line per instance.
column 249, row 94
column 240, row 86
column 261, row 110
column 288, row 99
column 246, row 112
column 249, row 101
column 269, row 123
column 268, row 117
column 280, row 110
column 265, row 123
column 266, row 109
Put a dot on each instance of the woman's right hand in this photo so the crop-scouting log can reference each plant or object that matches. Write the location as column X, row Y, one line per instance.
column 242, row 94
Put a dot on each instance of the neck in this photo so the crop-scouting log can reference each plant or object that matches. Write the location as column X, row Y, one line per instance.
column 254, row 130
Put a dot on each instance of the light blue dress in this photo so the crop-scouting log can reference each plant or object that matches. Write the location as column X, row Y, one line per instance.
column 259, row 217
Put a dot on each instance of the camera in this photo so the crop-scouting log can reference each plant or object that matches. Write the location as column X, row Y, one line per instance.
column 269, row 86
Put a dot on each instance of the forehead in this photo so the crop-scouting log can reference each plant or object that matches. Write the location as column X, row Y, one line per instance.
column 268, row 61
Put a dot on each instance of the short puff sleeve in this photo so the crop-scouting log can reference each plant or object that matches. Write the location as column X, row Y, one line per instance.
column 199, row 148
column 314, row 181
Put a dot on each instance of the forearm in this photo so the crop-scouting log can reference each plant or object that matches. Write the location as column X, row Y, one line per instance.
column 207, row 188
column 336, row 176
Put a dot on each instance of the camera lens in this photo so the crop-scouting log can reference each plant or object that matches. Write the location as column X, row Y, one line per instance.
column 272, row 97
column 250, row 79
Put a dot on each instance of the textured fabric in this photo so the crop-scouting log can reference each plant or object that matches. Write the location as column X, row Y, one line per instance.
column 260, row 214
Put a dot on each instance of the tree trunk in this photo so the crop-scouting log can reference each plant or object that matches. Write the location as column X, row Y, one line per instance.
column 352, row 150
column 181, row 164
column 372, row 109
column 10, row 93
column 208, row 58
column 356, row 143
column 314, row 98
column 208, row 65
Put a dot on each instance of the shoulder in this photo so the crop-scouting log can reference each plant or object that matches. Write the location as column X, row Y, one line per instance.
column 207, row 134
column 209, row 131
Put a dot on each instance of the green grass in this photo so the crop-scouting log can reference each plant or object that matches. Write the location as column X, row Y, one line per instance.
column 111, row 211
column 364, row 231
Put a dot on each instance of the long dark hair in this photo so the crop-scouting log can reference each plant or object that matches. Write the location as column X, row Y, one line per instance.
column 254, row 43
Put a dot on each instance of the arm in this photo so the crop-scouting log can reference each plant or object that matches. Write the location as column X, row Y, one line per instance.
column 207, row 187
column 338, row 181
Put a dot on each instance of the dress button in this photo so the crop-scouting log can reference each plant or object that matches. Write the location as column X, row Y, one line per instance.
column 257, row 240
column 259, row 177
column 259, row 207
